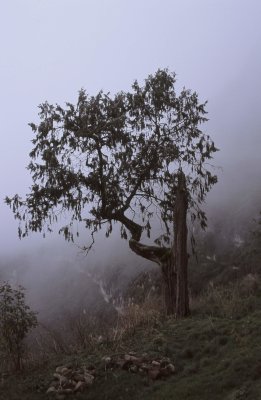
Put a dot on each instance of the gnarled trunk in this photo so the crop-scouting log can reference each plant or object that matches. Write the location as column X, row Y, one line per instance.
column 164, row 257
column 172, row 261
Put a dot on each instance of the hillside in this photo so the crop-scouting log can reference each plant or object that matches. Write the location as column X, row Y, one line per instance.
column 215, row 356
column 215, row 353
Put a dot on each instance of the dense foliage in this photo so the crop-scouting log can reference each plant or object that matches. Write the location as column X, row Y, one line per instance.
column 114, row 154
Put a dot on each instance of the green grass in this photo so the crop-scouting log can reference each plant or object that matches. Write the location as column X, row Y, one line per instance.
column 216, row 358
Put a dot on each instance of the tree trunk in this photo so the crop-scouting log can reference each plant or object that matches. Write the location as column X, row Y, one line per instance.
column 169, row 284
column 164, row 257
column 180, row 248
column 172, row 261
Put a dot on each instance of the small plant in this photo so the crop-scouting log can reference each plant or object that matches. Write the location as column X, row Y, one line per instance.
column 16, row 320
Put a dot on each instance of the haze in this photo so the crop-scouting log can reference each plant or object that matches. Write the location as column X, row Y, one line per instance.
column 52, row 48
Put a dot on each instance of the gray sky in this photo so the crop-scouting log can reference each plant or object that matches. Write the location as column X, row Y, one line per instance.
column 52, row 48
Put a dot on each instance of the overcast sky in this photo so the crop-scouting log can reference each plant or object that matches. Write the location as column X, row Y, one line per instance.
column 52, row 48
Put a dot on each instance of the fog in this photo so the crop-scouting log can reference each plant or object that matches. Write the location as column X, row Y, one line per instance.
column 51, row 49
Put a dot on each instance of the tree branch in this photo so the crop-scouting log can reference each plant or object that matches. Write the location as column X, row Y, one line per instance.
column 134, row 228
column 152, row 253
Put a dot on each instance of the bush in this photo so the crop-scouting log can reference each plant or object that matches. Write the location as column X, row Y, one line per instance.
column 16, row 320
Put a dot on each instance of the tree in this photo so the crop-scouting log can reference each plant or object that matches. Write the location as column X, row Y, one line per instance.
column 124, row 158
column 16, row 320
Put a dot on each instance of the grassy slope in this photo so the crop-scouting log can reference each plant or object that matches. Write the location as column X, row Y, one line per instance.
column 216, row 358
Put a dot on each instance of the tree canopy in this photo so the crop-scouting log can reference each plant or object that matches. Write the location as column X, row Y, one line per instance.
column 117, row 158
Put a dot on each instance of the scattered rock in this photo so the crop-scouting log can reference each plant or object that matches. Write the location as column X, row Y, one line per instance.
column 171, row 368
column 65, row 371
column 56, row 376
column 59, row 370
column 88, row 378
column 78, row 377
column 145, row 367
column 129, row 357
column 164, row 362
column 134, row 369
column 80, row 386
column 51, row 389
column 68, row 380
column 63, row 380
column 69, row 384
column 91, row 370
column 155, row 363
column 153, row 368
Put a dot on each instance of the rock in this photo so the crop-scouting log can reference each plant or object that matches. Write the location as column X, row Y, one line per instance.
column 167, row 359
column 145, row 367
column 60, row 369
column 134, row 368
column 88, row 378
column 91, row 371
column 78, row 377
column 67, row 372
column 129, row 357
column 64, row 370
column 69, row 384
column 63, row 380
column 171, row 368
column 51, row 390
column 57, row 376
column 80, row 386
column 68, row 380
column 55, row 384
column 164, row 362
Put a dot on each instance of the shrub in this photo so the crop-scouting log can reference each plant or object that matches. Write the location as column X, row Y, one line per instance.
column 16, row 320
